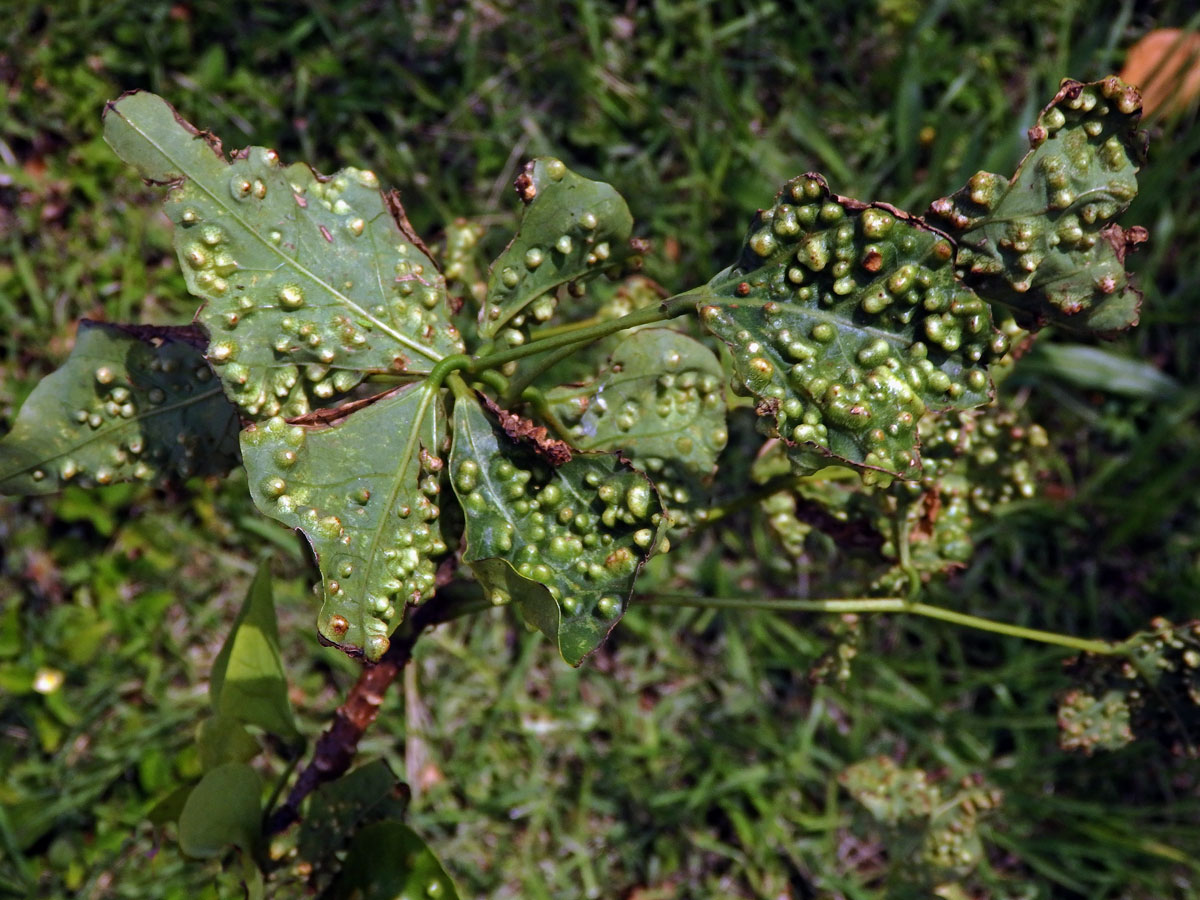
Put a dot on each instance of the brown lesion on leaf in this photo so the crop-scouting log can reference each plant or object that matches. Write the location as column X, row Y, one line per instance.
column 523, row 431
column 156, row 335
column 391, row 200
column 524, row 185
column 1124, row 240
column 332, row 416
column 768, row 406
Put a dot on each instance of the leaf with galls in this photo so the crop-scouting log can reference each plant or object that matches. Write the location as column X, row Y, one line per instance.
column 661, row 403
column 364, row 492
column 129, row 404
column 1046, row 242
column 310, row 283
column 847, row 322
column 565, row 543
column 571, row 228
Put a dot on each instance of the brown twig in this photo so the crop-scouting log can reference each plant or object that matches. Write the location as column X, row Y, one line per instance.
column 336, row 748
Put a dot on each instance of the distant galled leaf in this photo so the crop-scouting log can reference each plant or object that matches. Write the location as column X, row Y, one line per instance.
column 364, row 491
column 309, row 282
column 1046, row 243
column 1151, row 689
column 847, row 322
column 660, row 402
column 387, row 861
column 129, row 404
column 248, row 683
column 571, row 228
column 565, row 542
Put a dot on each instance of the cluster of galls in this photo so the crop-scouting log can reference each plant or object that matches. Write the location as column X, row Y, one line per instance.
column 679, row 414
column 1079, row 176
column 581, row 530
column 1151, row 689
column 536, row 262
column 848, row 321
column 144, row 426
column 942, row 828
column 371, row 545
column 323, row 330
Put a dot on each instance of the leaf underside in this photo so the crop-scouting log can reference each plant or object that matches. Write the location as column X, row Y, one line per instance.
column 364, row 492
column 310, row 283
column 1045, row 243
column 571, row 228
column 564, row 543
column 129, row 404
column 847, row 322
column 661, row 403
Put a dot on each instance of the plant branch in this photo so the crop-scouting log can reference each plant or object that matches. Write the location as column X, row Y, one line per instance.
column 335, row 749
column 885, row 605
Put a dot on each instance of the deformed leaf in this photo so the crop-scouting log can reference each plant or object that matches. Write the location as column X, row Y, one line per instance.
column 223, row 810
column 661, row 403
column 1046, row 243
column 564, row 543
column 129, row 404
column 571, row 228
column 388, row 860
column 364, row 491
column 309, row 282
column 248, row 683
column 338, row 809
column 847, row 322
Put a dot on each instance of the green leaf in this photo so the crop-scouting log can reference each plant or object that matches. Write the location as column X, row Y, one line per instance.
column 222, row 739
column 364, row 491
column 389, row 860
column 661, row 402
column 129, row 404
column 847, row 322
column 1098, row 369
column 223, row 810
column 248, row 683
column 338, row 809
column 1045, row 243
column 565, row 542
column 571, row 228
column 309, row 282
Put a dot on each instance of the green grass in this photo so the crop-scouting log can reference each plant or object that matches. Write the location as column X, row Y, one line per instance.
column 691, row 757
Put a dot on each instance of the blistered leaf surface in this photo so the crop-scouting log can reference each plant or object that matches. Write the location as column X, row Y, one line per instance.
column 248, row 683
column 1046, row 242
column 661, row 403
column 365, row 493
column 571, row 228
column 129, row 404
column 566, row 542
column 847, row 322
column 309, row 282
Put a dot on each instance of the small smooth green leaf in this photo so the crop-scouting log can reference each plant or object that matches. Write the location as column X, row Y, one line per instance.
column 1098, row 369
column 248, row 683
column 388, row 860
column 571, row 228
column 338, row 809
column 309, row 282
column 222, row 739
column 223, row 810
column 1046, row 243
column 129, row 404
column 661, row 403
column 364, row 492
column 847, row 322
column 170, row 807
column 565, row 542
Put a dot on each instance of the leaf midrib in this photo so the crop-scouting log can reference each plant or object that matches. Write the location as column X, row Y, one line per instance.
column 428, row 353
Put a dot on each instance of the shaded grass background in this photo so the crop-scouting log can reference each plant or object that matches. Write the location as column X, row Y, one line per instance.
column 691, row 758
